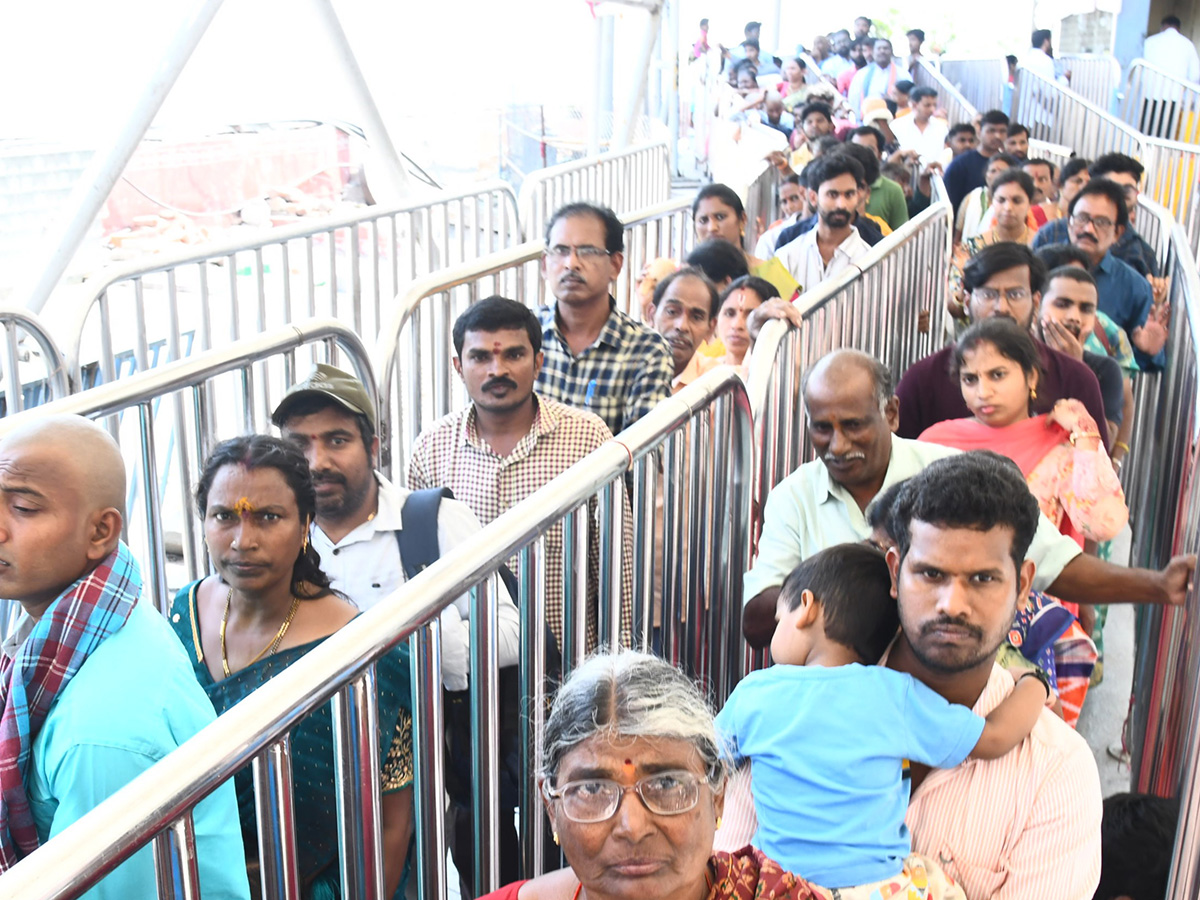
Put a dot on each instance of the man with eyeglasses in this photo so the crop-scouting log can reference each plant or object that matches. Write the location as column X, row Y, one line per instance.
column 596, row 357
column 1097, row 217
column 1003, row 279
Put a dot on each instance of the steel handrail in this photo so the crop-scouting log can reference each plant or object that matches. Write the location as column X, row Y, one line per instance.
column 1162, row 78
column 949, row 96
column 1095, row 76
column 87, row 850
column 56, row 365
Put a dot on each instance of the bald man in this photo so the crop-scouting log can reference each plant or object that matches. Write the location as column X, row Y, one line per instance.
column 852, row 414
column 95, row 687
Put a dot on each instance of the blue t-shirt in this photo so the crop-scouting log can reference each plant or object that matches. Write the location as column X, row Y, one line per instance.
column 826, row 747
column 1127, row 298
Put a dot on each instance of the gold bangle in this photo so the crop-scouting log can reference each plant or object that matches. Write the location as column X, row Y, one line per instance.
column 1076, row 435
column 1121, row 445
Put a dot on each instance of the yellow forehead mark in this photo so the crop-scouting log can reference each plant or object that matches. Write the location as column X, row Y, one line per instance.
column 243, row 506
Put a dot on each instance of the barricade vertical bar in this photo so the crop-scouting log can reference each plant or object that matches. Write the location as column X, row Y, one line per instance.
column 532, row 602
column 485, row 734
column 175, row 861
column 581, row 602
column 13, row 391
column 356, row 758
column 275, row 814
column 153, row 506
column 609, row 599
column 645, row 525
column 695, row 596
column 674, row 471
column 429, row 760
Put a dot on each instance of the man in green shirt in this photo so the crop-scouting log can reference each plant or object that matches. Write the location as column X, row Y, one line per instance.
column 887, row 199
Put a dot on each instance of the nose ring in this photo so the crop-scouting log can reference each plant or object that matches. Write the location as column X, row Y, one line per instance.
column 233, row 545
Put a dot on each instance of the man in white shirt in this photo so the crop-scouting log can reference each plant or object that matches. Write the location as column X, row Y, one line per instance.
column 837, row 63
column 791, row 204
column 835, row 182
column 920, row 131
column 1040, row 60
column 1170, row 51
column 331, row 418
column 875, row 78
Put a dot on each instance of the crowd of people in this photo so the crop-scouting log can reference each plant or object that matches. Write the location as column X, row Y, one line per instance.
column 928, row 584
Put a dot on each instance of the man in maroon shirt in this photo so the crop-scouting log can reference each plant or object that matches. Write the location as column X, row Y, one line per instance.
column 1002, row 279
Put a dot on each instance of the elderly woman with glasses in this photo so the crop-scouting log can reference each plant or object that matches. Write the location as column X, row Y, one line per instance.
column 633, row 779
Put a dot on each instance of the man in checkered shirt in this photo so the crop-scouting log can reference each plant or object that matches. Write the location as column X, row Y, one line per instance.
column 596, row 357
column 511, row 441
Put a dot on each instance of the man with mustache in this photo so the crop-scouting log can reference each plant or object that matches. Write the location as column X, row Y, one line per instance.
column 331, row 418
column 852, row 413
column 685, row 308
column 594, row 356
column 835, row 182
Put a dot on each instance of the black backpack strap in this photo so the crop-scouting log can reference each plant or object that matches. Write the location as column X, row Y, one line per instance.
column 418, row 534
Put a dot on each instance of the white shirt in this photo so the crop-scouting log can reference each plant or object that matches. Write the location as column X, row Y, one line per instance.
column 870, row 81
column 765, row 248
column 1173, row 53
column 930, row 144
column 803, row 259
column 365, row 566
column 1041, row 64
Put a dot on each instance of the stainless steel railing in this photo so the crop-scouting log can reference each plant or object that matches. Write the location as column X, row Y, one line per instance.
column 1094, row 76
column 876, row 306
column 1055, row 153
column 231, row 390
column 704, row 437
column 950, row 98
column 623, row 181
column 412, row 356
column 1158, row 104
column 32, row 369
column 980, row 81
column 130, row 318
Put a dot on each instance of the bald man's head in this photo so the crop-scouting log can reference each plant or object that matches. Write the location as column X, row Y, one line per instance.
column 62, row 502
column 839, row 365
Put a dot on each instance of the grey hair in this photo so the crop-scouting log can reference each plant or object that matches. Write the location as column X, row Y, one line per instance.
column 631, row 694
column 881, row 375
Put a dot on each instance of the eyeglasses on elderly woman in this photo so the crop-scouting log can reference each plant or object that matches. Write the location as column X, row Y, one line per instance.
column 597, row 799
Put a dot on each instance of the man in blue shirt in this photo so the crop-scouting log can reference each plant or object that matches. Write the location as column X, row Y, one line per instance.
column 967, row 170
column 95, row 687
column 1097, row 218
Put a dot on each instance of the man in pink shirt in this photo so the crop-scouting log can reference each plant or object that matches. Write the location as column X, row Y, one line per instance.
column 1023, row 826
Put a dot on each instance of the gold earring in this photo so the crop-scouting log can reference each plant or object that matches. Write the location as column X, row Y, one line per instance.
column 555, row 835
column 1033, row 393
column 718, row 823
column 305, row 549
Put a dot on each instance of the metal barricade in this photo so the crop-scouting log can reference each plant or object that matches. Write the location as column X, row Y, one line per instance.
column 623, row 181
column 131, row 318
column 1094, row 76
column 229, row 391
column 31, row 366
column 950, row 98
column 1054, row 153
column 980, row 81
column 876, row 306
column 762, row 205
column 1161, row 105
column 416, row 379
column 702, row 437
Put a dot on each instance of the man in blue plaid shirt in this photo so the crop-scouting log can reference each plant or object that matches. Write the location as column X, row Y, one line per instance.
column 596, row 357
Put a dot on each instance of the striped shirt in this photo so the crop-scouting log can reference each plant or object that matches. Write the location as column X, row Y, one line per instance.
column 1023, row 826
column 451, row 453
column 620, row 378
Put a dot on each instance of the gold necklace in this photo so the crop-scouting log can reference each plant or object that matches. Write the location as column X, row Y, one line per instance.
column 267, row 650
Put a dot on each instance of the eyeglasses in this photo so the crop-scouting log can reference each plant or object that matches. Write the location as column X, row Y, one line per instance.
column 1100, row 222
column 991, row 295
column 586, row 253
column 597, row 799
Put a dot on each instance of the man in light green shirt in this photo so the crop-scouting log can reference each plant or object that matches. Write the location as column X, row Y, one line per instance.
column 852, row 413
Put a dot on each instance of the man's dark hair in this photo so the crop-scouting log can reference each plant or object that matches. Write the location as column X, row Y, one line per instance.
column 825, row 143
column 722, row 192
column 858, row 19
column 833, row 165
column 1116, row 163
column 960, row 128
column 1015, row 128
column 904, row 86
column 614, row 231
column 879, row 513
column 1070, row 169
column 1055, row 256
column 854, row 588
column 497, row 313
column 1102, row 187
column 980, row 490
column 880, row 140
column 719, row 260
column 689, row 271
column 916, row 31
column 994, row 117
column 752, row 43
column 765, row 290
column 920, row 93
column 1072, row 273
column 999, row 257
column 793, row 179
column 311, row 404
column 1039, row 37
column 1007, row 158
column 867, row 43
column 1137, row 841
column 1010, row 59
column 751, row 26
column 1030, row 163
column 816, row 107
column 1010, row 340
column 1171, row 22
column 860, row 154
column 1015, row 176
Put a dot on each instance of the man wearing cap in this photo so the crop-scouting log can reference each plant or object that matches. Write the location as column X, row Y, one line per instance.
column 331, row 418
column 874, row 79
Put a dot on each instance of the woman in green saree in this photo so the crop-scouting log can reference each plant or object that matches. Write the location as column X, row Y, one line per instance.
column 267, row 606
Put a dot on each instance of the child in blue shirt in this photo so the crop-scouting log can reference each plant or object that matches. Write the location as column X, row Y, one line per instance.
column 828, row 733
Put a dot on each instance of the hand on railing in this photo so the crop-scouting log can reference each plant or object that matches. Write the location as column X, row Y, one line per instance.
column 780, row 161
column 1152, row 336
column 1161, row 287
column 1176, row 580
column 773, row 309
